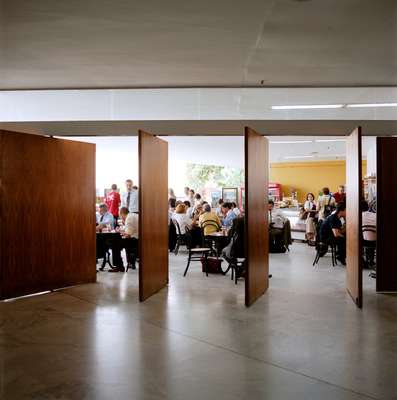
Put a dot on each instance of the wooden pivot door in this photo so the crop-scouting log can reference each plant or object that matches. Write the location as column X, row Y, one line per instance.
column 354, row 253
column 386, row 214
column 256, row 215
column 47, row 213
column 153, row 214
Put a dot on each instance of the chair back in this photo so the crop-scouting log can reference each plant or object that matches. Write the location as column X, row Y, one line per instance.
column 210, row 223
column 177, row 227
column 369, row 228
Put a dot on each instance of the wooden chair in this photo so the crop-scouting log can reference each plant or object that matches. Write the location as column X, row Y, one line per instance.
column 180, row 237
column 195, row 253
column 330, row 244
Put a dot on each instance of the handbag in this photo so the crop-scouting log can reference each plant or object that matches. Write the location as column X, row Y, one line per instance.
column 214, row 265
column 303, row 214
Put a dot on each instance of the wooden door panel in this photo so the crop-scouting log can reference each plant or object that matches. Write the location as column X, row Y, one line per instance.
column 47, row 213
column 386, row 271
column 256, row 215
column 153, row 214
column 354, row 257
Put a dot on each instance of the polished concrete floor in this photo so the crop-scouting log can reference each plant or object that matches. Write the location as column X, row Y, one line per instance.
column 304, row 339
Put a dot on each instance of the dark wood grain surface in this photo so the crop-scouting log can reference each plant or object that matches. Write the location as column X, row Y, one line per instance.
column 256, row 215
column 354, row 276
column 153, row 214
column 47, row 207
column 386, row 267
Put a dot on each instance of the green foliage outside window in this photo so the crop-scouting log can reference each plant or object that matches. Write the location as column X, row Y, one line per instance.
column 201, row 176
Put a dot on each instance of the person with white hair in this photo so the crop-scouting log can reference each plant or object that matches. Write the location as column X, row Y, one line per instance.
column 209, row 221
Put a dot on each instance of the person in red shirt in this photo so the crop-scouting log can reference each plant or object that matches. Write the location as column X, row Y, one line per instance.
column 113, row 202
column 340, row 196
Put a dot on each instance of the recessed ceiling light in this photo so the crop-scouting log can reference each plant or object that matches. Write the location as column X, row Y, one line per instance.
column 307, row 106
column 330, row 140
column 291, row 157
column 364, row 105
column 291, row 142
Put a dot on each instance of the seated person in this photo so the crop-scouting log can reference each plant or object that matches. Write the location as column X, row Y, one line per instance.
column 128, row 240
column 228, row 215
column 276, row 229
column 369, row 234
column 209, row 221
column 340, row 195
column 182, row 218
column 332, row 229
column 235, row 248
column 235, row 209
column 104, row 218
column 369, row 220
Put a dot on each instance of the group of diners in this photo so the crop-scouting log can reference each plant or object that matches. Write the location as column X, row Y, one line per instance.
column 325, row 221
column 117, row 226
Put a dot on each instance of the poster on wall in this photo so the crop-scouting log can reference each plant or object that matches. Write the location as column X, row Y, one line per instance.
column 230, row 195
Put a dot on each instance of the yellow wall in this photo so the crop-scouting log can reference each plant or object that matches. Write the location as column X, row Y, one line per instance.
column 308, row 177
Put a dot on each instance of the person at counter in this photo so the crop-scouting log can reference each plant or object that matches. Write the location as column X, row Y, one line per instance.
column 326, row 204
column 104, row 218
column 228, row 214
column 308, row 214
column 333, row 229
column 340, row 195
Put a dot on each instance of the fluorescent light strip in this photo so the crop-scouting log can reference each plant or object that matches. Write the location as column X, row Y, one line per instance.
column 291, row 157
column 292, row 142
column 371, row 105
column 307, row 106
column 330, row 140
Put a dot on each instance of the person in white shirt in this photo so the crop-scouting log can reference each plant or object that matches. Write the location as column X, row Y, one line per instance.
column 276, row 218
column 128, row 240
column 235, row 209
column 368, row 222
column 104, row 218
column 130, row 198
column 182, row 218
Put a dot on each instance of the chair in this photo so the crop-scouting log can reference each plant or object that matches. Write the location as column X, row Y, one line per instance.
column 208, row 240
column 195, row 253
column 180, row 237
column 106, row 260
column 320, row 248
column 237, row 266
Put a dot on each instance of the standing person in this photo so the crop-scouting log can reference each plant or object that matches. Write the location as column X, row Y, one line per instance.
column 218, row 210
column 191, row 197
column 113, row 202
column 325, row 204
column 197, row 199
column 308, row 214
column 186, row 191
column 340, row 196
column 171, row 194
column 130, row 197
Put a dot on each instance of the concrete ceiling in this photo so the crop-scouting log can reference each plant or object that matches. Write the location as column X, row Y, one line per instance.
column 120, row 43
column 204, row 128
